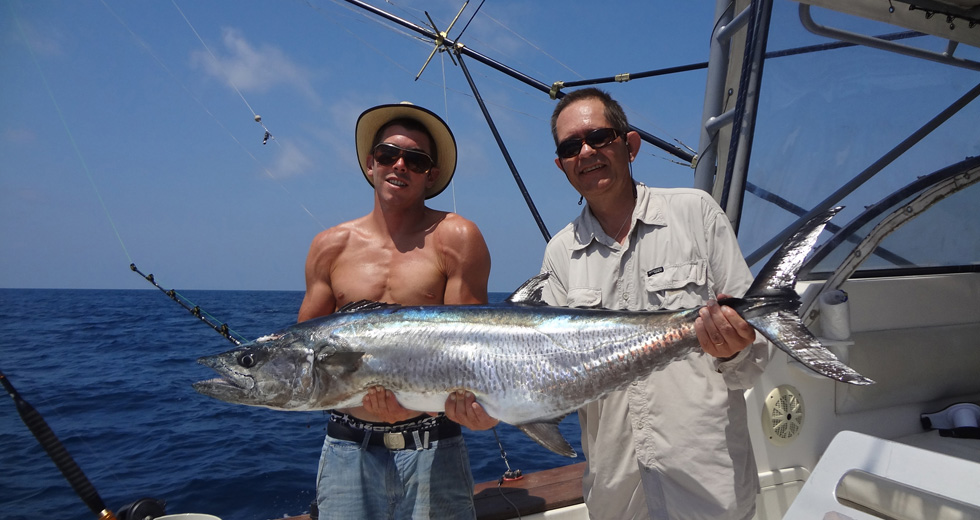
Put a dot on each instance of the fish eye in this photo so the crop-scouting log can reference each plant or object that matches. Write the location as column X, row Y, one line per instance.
column 246, row 360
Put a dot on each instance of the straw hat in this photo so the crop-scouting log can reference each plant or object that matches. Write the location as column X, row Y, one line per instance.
column 444, row 143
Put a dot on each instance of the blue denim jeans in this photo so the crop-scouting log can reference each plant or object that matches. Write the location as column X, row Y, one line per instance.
column 373, row 482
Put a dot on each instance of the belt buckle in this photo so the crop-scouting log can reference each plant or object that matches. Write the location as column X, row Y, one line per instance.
column 394, row 440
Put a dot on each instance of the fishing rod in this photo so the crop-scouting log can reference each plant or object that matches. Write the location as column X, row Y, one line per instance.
column 141, row 509
column 186, row 304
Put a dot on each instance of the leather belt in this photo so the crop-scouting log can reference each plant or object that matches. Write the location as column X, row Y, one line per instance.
column 416, row 434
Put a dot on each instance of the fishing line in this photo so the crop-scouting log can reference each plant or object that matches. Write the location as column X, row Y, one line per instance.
column 445, row 102
column 183, row 301
column 365, row 16
column 258, row 119
column 509, row 475
column 207, row 111
column 533, row 45
column 218, row 63
column 71, row 137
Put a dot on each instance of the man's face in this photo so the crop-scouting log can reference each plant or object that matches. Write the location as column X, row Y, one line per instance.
column 593, row 170
column 397, row 180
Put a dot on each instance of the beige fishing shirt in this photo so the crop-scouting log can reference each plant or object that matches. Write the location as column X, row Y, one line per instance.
column 675, row 444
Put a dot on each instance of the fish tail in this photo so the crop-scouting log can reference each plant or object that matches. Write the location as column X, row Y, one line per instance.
column 771, row 303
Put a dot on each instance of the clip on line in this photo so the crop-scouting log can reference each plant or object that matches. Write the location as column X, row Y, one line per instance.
column 195, row 310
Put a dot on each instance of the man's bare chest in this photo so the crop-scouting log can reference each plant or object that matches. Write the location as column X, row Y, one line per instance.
column 409, row 278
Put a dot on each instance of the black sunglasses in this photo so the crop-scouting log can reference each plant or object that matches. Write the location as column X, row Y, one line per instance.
column 595, row 139
column 387, row 154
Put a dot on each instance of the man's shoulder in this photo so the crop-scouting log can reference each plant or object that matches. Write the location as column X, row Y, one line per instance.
column 565, row 237
column 338, row 236
column 680, row 201
column 450, row 217
column 455, row 226
column 677, row 195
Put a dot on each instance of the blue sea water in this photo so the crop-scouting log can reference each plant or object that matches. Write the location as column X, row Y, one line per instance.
column 111, row 371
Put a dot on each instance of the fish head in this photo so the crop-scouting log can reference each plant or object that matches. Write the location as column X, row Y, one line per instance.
column 275, row 371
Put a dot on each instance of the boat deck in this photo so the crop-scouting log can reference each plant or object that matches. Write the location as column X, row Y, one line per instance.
column 535, row 493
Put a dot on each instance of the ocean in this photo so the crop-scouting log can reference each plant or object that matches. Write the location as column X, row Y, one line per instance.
column 111, row 371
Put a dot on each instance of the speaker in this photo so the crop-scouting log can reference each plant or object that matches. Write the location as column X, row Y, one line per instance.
column 782, row 415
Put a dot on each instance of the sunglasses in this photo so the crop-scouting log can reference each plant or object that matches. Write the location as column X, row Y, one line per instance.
column 595, row 139
column 387, row 154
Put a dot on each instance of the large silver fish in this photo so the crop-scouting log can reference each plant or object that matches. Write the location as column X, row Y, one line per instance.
column 527, row 364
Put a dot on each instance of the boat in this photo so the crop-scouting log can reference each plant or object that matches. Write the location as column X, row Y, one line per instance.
column 894, row 291
column 894, row 288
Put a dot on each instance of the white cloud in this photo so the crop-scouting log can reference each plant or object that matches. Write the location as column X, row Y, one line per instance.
column 291, row 161
column 251, row 68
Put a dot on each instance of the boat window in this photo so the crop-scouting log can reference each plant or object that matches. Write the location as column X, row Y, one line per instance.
column 942, row 237
column 827, row 117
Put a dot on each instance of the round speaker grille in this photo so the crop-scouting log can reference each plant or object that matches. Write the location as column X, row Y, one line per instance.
column 782, row 415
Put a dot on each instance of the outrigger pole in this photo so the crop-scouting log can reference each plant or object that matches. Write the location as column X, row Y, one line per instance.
column 553, row 90
column 503, row 150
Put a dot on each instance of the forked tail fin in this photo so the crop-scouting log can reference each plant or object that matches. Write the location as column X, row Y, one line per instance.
column 771, row 302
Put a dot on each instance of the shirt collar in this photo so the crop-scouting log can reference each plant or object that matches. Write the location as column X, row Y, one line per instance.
column 587, row 228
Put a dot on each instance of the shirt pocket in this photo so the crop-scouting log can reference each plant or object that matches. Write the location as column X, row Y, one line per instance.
column 681, row 286
column 585, row 298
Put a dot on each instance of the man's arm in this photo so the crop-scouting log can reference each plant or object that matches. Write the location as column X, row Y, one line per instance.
column 468, row 270
column 740, row 354
column 319, row 299
column 467, row 262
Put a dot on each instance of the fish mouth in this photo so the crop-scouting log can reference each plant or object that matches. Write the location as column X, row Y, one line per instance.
column 229, row 383
column 224, row 389
column 218, row 382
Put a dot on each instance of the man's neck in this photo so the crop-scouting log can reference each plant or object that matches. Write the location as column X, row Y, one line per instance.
column 614, row 213
column 399, row 220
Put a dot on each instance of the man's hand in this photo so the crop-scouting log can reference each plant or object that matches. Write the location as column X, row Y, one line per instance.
column 721, row 331
column 462, row 408
column 383, row 404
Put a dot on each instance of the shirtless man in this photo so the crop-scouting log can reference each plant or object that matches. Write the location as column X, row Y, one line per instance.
column 381, row 460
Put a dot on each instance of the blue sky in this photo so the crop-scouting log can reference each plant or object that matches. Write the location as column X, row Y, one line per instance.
column 128, row 131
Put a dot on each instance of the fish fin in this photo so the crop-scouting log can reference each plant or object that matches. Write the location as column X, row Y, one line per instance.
column 779, row 273
column 771, row 302
column 338, row 363
column 546, row 433
column 529, row 293
column 365, row 305
column 787, row 332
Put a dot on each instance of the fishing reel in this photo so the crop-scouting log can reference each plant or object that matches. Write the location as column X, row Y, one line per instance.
column 142, row 509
